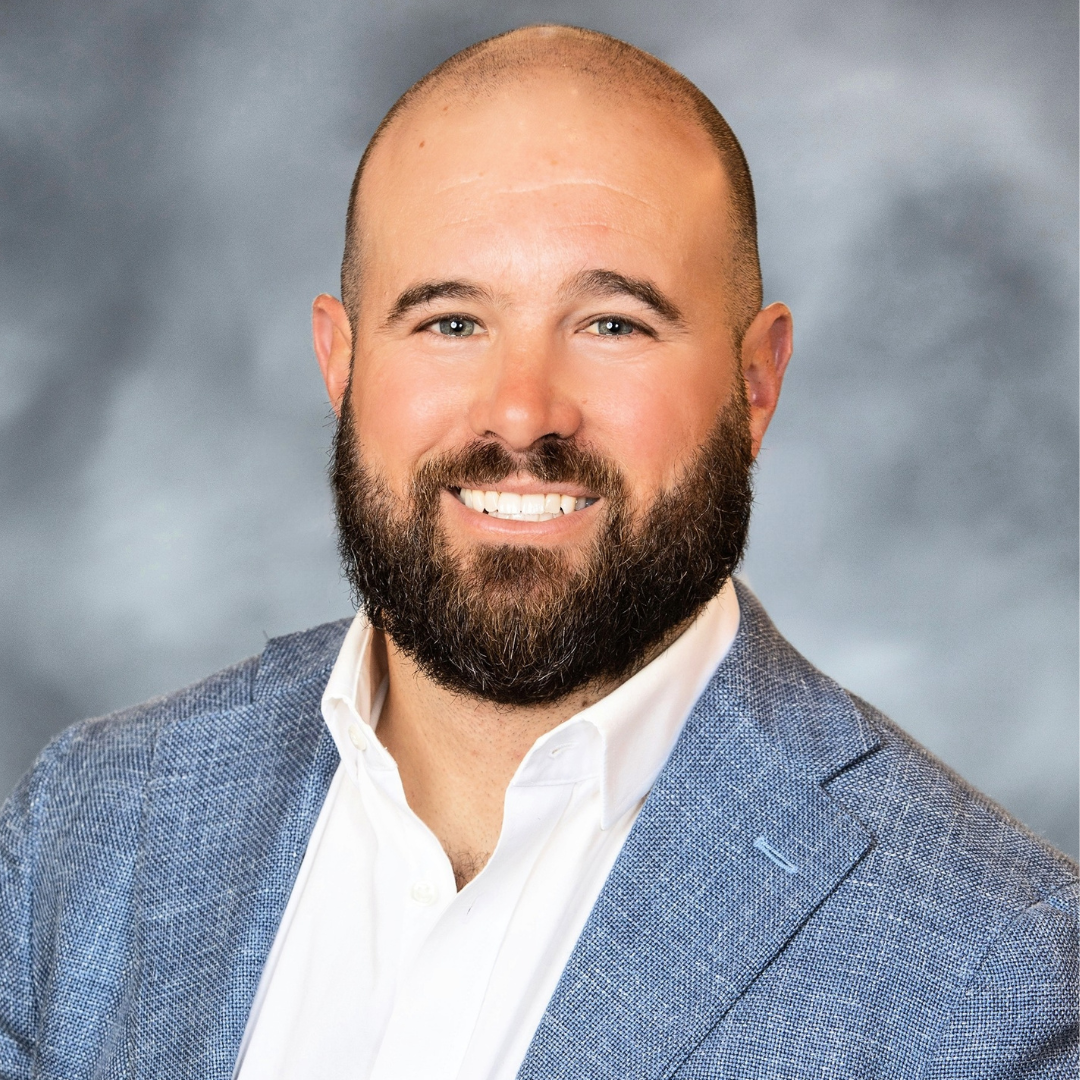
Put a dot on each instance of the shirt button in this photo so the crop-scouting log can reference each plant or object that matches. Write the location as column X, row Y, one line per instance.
column 356, row 737
column 423, row 892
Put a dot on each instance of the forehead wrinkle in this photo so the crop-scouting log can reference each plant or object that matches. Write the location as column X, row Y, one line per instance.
column 562, row 227
column 523, row 189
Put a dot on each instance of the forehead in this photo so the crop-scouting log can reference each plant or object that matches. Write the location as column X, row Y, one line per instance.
column 523, row 170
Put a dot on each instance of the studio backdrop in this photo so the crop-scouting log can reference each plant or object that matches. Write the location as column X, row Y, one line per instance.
column 174, row 179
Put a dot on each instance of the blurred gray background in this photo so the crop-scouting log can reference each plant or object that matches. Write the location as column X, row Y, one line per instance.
column 174, row 178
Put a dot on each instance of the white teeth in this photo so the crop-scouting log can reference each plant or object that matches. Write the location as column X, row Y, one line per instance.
column 515, row 507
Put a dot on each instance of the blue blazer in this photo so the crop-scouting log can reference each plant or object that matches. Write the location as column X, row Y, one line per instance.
column 806, row 893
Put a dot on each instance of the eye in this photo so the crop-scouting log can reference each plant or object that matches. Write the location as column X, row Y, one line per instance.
column 454, row 326
column 612, row 326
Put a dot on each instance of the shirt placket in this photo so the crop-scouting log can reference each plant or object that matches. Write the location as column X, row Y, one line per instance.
column 441, row 992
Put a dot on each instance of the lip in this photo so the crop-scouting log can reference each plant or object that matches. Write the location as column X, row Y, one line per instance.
column 564, row 527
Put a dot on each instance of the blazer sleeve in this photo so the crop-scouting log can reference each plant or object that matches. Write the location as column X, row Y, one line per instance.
column 1017, row 1017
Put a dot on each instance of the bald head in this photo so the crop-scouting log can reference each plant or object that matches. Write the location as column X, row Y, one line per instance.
column 607, row 69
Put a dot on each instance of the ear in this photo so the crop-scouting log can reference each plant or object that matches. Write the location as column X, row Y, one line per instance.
column 332, row 336
column 766, row 350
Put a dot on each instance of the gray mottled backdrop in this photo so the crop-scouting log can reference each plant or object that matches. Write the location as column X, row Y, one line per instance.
column 174, row 178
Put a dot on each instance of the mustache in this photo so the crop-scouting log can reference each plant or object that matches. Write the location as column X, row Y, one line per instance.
column 552, row 459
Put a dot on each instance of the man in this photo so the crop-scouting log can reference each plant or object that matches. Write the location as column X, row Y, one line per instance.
column 559, row 802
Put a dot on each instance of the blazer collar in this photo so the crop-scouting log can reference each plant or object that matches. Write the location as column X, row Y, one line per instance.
column 229, row 808
column 736, row 846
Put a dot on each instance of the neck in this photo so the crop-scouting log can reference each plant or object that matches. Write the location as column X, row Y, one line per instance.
column 457, row 754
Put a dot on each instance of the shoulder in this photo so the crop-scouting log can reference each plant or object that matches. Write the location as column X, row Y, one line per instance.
column 285, row 662
column 70, row 833
column 934, row 827
column 1016, row 1013
column 115, row 752
column 971, row 918
column 929, row 825
column 958, row 925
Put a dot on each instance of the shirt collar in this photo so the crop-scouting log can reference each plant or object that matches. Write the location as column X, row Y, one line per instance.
column 351, row 702
column 639, row 721
column 626, row 736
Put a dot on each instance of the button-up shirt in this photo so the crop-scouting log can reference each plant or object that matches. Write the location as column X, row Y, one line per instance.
column 381, row 969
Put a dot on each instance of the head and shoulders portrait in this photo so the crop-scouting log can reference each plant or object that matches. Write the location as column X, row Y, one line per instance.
column 559, row 798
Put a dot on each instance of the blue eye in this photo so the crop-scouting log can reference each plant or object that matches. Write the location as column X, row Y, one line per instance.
column 613, row 327
column 456, row 326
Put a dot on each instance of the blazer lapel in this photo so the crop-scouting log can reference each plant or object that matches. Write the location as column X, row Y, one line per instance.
column 230, row 806
column 736, row 846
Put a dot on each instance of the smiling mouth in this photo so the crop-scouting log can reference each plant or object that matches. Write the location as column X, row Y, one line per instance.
column 511, row 506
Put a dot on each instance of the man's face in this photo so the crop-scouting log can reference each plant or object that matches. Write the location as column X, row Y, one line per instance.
column 543, row 269
column 521, row 199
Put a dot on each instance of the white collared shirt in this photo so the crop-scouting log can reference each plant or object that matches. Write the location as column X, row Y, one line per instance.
column 381, row 969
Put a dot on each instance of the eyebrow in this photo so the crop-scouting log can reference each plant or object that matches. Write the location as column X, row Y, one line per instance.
column 612, row 283
column 427, row 291
column 587, row 283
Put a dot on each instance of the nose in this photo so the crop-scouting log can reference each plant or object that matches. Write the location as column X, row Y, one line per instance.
column 523, row 396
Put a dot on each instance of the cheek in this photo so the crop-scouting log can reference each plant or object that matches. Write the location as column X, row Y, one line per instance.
column 403, row 409
column 652, row 419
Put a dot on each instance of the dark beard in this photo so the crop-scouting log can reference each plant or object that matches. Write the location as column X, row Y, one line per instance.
column 517, row 624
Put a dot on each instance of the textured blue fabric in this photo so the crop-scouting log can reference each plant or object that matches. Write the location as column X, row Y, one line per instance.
column 806, row 893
